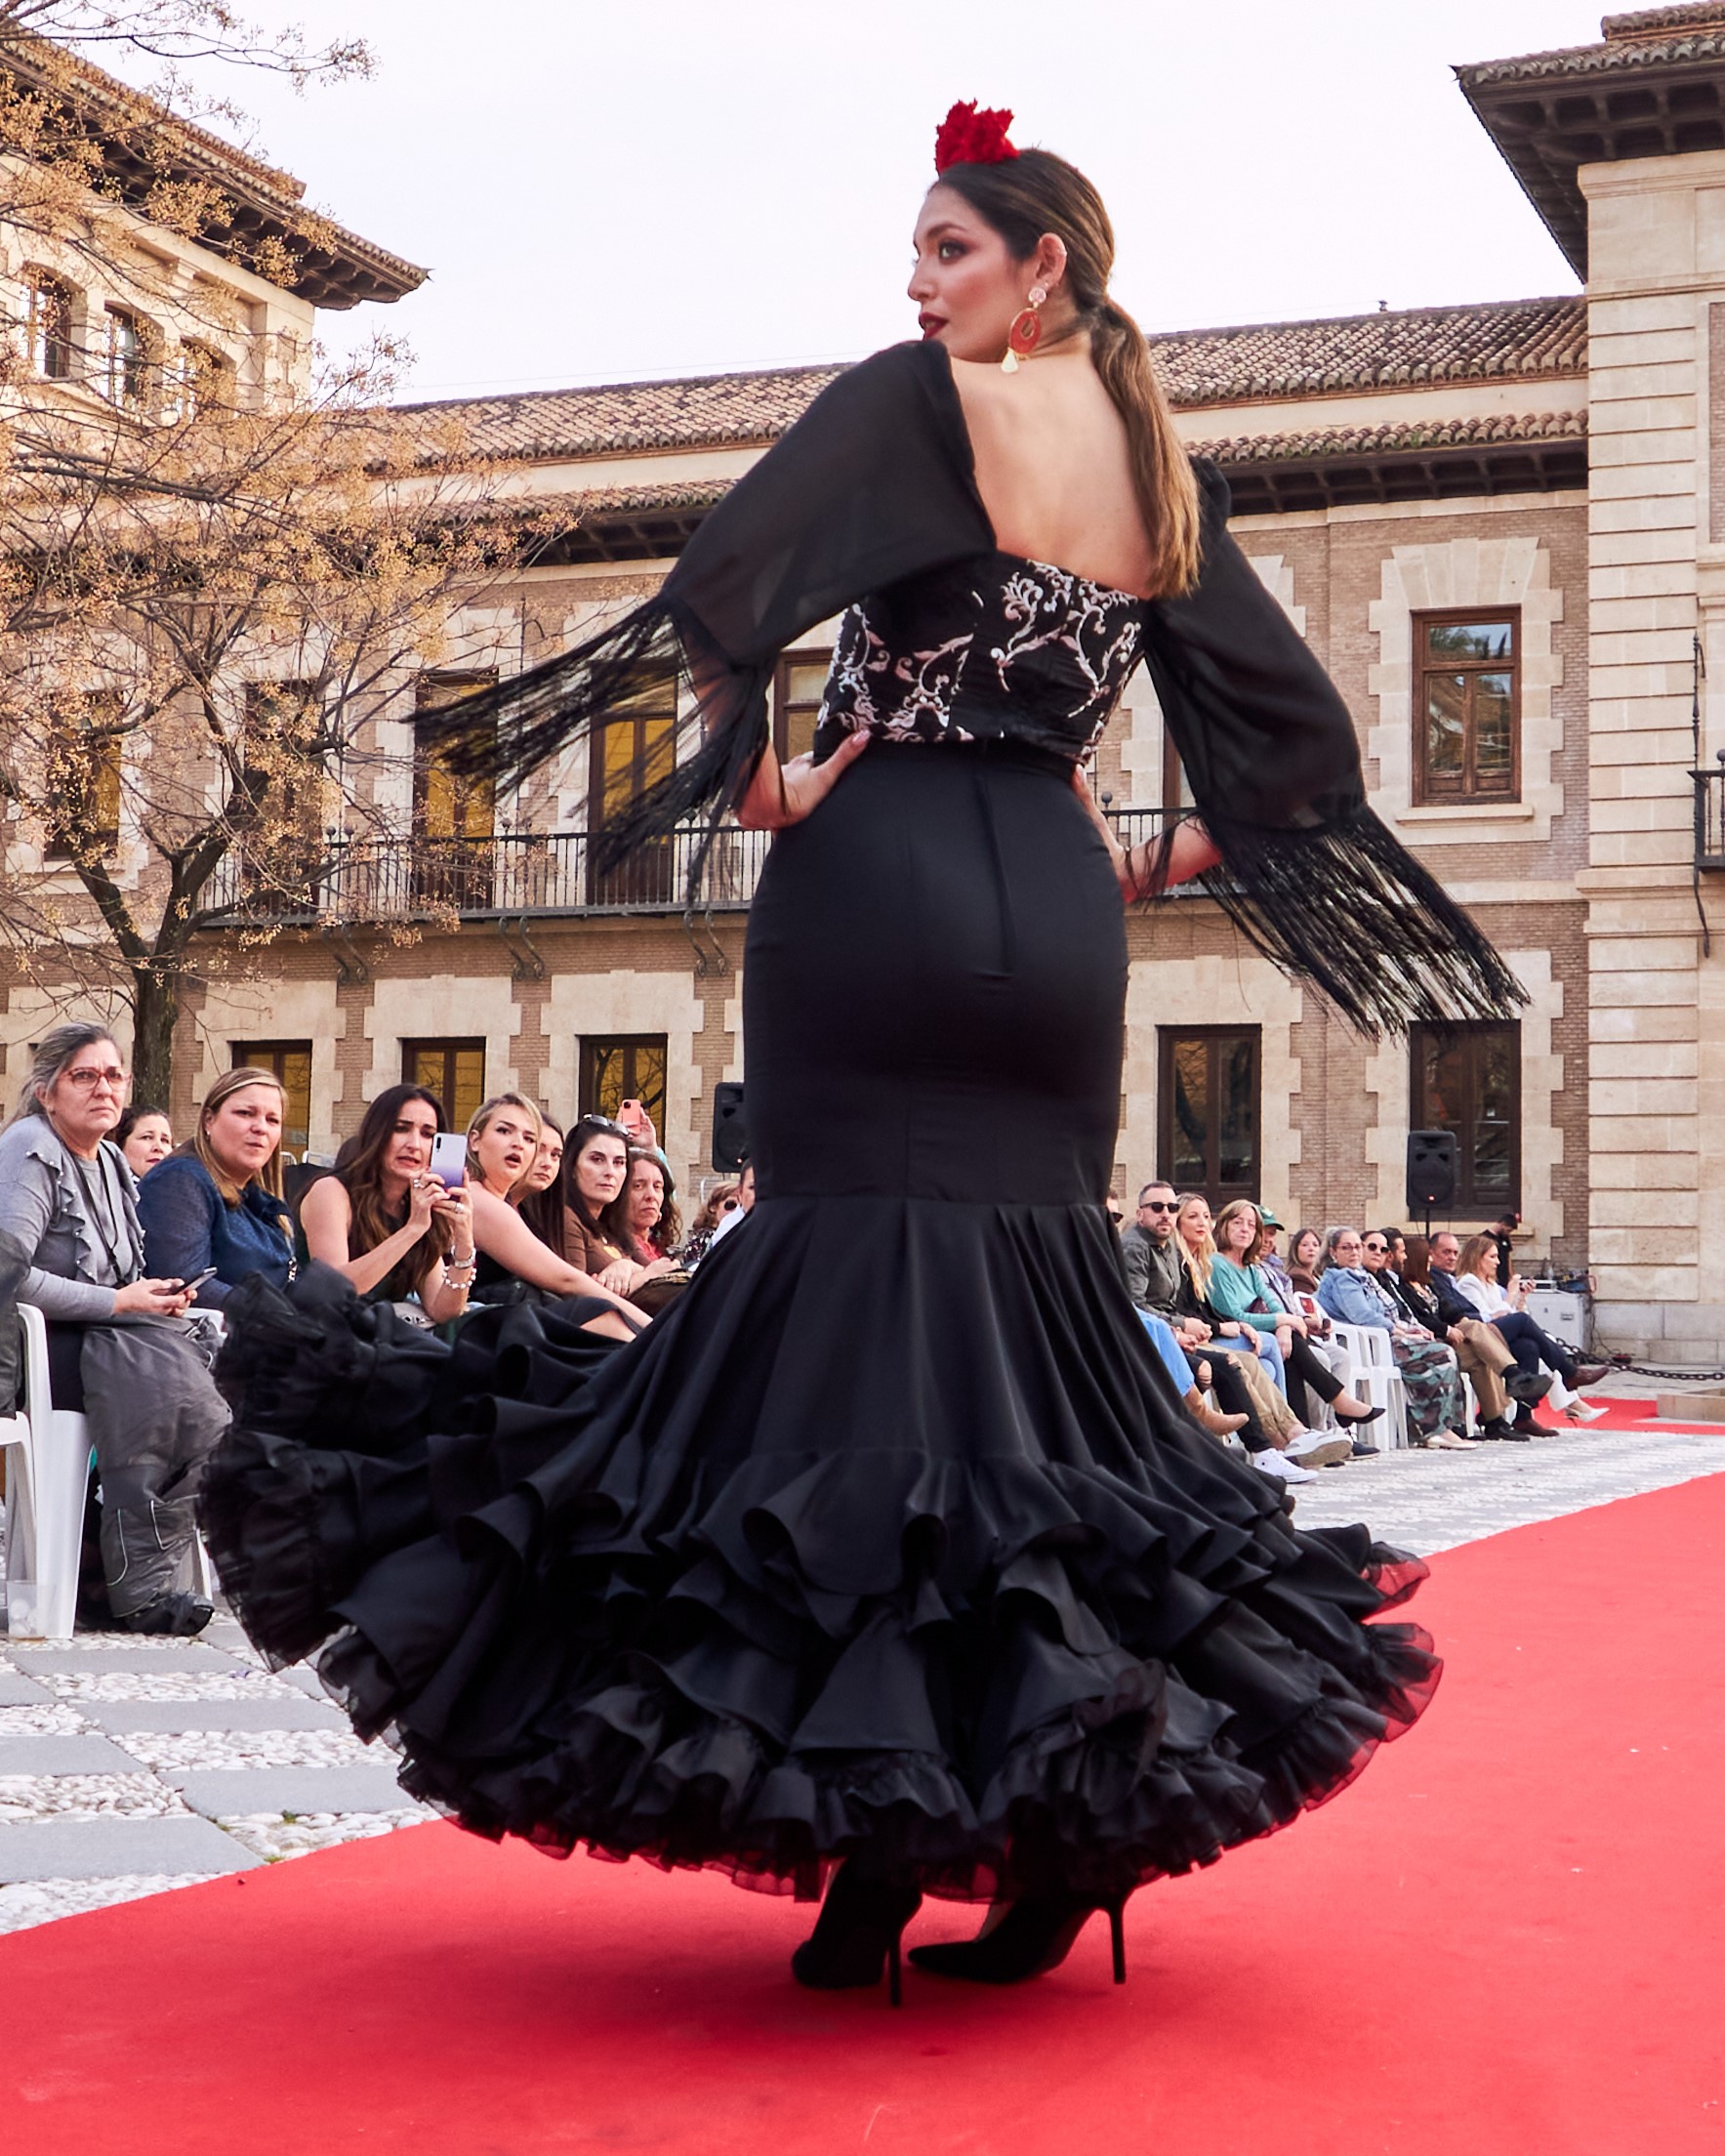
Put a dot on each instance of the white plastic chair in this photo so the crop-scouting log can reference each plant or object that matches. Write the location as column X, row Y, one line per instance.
column 47, row 1473
column 1372, row 1376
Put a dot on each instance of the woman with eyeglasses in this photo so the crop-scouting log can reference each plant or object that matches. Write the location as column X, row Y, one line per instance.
column 1430, row 1373
column 118, row 1351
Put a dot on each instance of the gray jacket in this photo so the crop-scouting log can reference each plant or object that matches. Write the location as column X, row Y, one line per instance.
column 1152, row 1273
column 52, row 1252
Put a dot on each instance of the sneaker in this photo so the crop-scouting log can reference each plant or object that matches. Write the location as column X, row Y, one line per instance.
column 1363, row 1451
column 1319, row 1449
column 1583, row 1411
column 1278, row 1464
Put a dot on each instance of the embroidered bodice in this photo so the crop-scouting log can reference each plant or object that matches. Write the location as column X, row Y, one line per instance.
column 996, row 648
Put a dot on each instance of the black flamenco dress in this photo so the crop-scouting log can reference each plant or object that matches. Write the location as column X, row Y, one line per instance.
column 891, row 1537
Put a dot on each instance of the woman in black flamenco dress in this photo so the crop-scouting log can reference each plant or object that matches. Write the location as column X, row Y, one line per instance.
column 890, row 1546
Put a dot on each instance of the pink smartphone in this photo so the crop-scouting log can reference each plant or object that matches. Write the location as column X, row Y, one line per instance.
column 449, row 1159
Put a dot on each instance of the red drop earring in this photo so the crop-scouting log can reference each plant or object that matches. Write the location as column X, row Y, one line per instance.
column 1026, row 332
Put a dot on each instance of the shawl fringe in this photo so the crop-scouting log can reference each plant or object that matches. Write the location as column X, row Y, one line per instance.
column 1345, row 906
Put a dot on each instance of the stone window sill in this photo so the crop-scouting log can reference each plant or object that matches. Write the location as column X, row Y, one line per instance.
column 1471, row 811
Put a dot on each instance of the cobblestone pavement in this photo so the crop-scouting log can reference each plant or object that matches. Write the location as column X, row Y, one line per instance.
column 129, row 1767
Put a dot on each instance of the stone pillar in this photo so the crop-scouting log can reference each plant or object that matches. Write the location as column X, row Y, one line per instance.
column 1657, row 270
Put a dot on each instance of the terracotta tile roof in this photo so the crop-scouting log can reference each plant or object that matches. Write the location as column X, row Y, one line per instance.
column 1503, row 341
column 1398, row 439
column 694, row 412
column 1650, row 38
column 141, row 143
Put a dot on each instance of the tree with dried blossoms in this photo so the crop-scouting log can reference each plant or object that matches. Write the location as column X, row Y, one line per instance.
column 203, row 619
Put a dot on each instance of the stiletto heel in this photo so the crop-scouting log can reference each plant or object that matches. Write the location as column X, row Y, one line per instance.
column 857, row 1935
column 1029, row 1939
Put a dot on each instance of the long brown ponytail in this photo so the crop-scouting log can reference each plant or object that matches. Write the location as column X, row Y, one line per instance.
column 1036, row 192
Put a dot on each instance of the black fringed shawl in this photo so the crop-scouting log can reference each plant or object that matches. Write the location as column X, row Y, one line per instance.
column 876, row 483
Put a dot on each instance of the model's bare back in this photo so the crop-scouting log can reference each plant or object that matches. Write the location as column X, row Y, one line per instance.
column 1053, row 467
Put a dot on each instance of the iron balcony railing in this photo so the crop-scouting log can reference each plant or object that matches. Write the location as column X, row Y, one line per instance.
column 360, row 881
column 1710, row 817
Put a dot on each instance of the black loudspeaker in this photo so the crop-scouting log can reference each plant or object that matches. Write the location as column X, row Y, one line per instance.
column 731, row 1132
column 1432, row 1162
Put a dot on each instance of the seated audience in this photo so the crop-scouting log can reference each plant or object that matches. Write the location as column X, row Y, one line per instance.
column 393, row 1227
column 1482, row 1351
column 72, row 1243
column 1157, row 1281
column 720, row 1203
column 1518, row 1332
column 649, row 1228
column 503, row 1142
column 745, row 1205
column 1292, row 1445
column 217, row 1200
column 540, row 1202
column 1476, row 1281
column 1430, row 1373
column 1239, row 1289
column 145, row 1136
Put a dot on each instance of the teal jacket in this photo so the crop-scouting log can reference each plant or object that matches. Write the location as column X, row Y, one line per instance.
column 1234, row 1288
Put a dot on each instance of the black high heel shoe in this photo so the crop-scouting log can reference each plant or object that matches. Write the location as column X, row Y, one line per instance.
column 1356, row 1422
column 1031, row 1938
column 857, row 1929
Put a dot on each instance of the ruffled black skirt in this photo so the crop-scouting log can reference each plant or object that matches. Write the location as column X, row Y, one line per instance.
column 891, row 1535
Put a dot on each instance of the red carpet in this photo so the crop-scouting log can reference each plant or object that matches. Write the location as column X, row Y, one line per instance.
column 1504, row 1938
column 1640, row 1415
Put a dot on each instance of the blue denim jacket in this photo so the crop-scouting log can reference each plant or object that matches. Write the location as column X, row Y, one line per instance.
column 1352, row 1296
column 187, row 1224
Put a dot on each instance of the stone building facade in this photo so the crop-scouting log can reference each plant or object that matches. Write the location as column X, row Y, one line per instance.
column 1500, row 528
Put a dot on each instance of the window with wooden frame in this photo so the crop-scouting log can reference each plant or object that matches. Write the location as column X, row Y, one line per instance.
column 48, row 326
column 798, row 685
column 291, row 1061
column 1210, row 1117
column 1466, row 705
column 633, row 747
column 453, row 1070
column 128, row 358
column 622, row 1067
column 1467, row 1079
column 85, row 784
column 454, row 815
column 206, row 380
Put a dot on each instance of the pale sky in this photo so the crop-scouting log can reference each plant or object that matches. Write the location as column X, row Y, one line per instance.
column 640, row 187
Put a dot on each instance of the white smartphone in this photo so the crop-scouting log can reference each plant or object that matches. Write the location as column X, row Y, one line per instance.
column 449, row 1159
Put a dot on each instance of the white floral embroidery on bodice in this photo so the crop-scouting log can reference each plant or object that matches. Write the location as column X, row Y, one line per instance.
column 998, row 648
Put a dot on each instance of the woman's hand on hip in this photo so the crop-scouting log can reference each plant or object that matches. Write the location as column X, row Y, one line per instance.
column 785, row 793
column 1145, row 870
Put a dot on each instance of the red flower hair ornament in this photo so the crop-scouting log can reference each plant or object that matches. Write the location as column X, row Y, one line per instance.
column 968, row 137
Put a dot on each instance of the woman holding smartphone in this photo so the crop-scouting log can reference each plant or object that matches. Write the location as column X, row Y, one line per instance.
column 399, row 1230
column 213, row 1212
